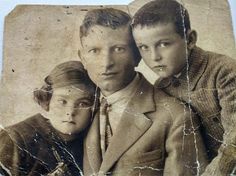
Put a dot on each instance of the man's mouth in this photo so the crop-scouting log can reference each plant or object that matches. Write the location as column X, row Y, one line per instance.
column 108, row 74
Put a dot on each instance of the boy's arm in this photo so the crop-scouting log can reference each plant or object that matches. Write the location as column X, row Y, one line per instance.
column 225, row 162
column 186, row 154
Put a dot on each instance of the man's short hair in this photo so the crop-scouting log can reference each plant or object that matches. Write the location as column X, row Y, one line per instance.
column 163, row 12
column 108, row 17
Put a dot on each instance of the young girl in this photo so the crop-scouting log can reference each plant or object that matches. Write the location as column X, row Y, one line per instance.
column 52, row 145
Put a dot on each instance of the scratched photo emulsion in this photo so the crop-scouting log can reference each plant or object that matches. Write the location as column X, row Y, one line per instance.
column 143, row 89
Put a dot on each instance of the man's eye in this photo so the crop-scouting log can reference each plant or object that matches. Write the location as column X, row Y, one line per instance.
column 93, row 51
column 62, row 102
column 119, row 49
column 143, row 47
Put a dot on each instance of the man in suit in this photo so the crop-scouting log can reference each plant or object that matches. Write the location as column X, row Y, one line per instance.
column 139, row 130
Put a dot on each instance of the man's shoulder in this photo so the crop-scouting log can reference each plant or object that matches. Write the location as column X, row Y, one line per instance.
column 164, row 100
column 148, row 95
column 160, row 98
column 169, row 111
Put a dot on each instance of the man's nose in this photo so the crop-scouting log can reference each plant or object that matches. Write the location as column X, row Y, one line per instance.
column 155, row 55
column 108, row 60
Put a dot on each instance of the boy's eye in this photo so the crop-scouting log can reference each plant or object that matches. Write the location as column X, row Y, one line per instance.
column 62, row 102
column 119, row 49
column 143, row 47
column 163, row 44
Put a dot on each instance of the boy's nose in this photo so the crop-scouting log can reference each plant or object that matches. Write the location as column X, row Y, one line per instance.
column 155, row 55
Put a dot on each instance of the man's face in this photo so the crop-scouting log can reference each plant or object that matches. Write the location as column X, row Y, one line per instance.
column 70, row 109
column 162, row 49
column 108, row 56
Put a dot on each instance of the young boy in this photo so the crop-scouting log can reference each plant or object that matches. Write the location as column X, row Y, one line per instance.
column 51, row 145
column 202, row 79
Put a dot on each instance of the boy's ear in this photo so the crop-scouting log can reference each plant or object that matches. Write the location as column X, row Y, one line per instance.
column 191, row 39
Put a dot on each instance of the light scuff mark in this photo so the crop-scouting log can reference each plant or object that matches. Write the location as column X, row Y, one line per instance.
column 147, row 167
column 5, row 169
column 191, row 115
column 63, row 148
column 233, row 173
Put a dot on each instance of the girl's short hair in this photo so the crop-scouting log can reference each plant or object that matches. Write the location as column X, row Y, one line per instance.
column 65, row 74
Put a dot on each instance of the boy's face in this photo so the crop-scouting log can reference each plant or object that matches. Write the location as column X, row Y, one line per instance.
column 70, row 109
column 162, row 49
column 108, row 56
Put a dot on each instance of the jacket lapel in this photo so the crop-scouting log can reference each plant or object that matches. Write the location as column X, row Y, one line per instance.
column 132, row 126
column 92, row 145
column 198, row 63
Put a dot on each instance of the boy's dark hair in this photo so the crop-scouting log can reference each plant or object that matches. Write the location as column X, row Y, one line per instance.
column 67, row 73
column 108, row 17
column 163, row 11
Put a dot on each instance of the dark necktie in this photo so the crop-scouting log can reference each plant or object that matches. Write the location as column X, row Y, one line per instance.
column 105, row 127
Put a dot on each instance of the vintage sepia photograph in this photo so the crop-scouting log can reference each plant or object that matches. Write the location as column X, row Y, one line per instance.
column 118, row 88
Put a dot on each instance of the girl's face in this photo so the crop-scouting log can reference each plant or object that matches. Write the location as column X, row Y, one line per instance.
column 70, row 109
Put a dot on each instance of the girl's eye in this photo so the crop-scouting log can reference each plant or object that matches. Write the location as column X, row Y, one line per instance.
column 83, row 105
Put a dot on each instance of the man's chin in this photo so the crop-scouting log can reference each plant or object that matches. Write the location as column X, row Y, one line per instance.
column 108, row 86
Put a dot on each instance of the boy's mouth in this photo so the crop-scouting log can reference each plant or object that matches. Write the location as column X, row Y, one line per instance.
column 160, row 67
column 69, row 122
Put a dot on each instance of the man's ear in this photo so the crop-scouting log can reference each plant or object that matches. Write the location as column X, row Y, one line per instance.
column 191, row 39
column 79, row 54
column 81, row 58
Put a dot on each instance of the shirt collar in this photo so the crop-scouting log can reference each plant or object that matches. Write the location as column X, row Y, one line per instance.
column 123, row 93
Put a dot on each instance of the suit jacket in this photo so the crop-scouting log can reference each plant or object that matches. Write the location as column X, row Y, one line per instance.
column 28, row 148
column 209, row 86
column 157, row 135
